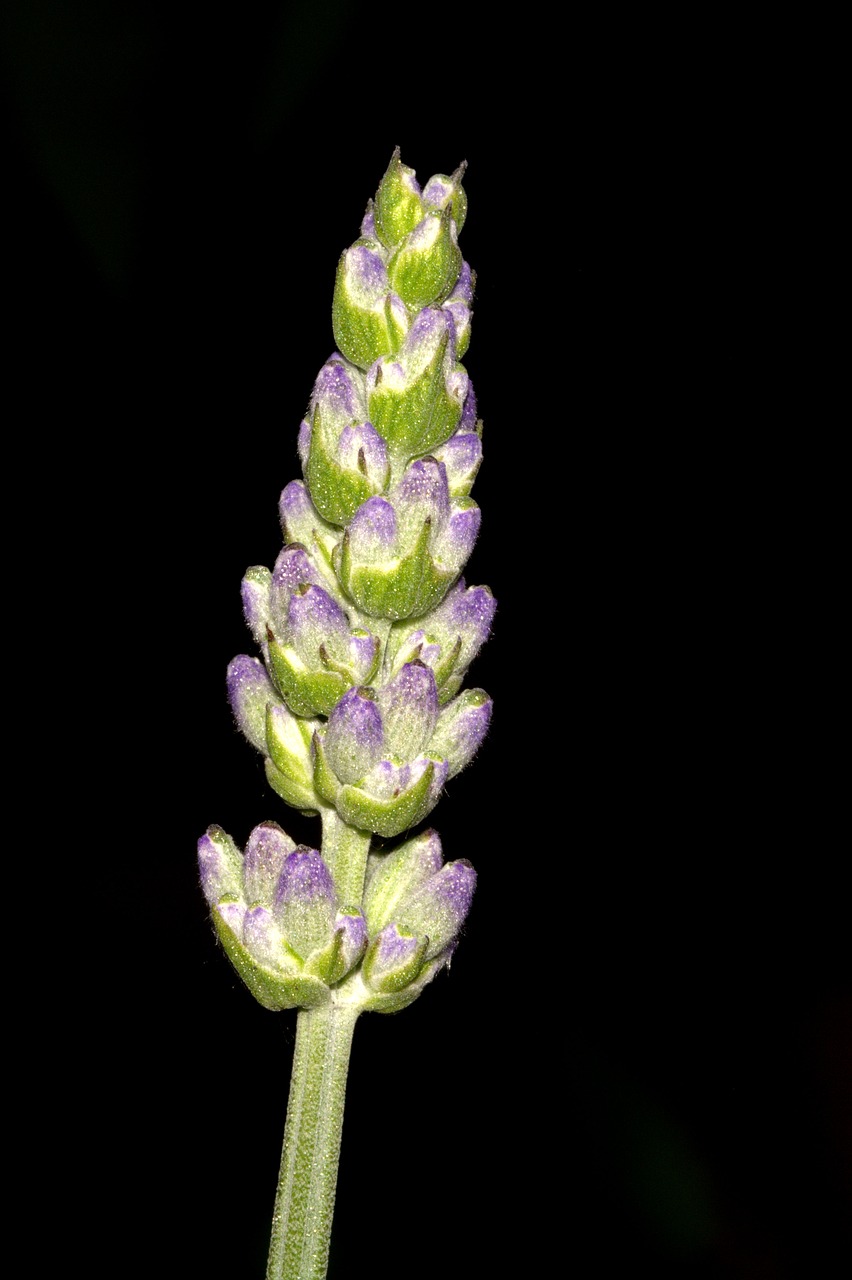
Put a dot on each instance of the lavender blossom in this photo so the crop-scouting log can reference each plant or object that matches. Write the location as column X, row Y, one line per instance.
column 365, row 626
column 365, row 630
column 385, row 755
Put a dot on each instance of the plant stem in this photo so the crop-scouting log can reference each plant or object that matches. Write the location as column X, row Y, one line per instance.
column 344, row 852
column 304, row 1203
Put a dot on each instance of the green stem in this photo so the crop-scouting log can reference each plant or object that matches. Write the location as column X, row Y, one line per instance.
column 344, row 852
column 304, row 1204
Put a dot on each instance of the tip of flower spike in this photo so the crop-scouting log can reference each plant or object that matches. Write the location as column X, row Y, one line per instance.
column 397, row 206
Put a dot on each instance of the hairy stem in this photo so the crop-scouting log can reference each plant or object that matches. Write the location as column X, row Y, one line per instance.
column 304, row 1203
column 344, row 851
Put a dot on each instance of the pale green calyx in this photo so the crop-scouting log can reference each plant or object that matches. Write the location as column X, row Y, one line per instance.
column 398, row 207
column 368, row 318
column 426, row 265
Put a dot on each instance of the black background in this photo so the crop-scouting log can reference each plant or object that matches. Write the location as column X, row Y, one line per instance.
column 641, row 1055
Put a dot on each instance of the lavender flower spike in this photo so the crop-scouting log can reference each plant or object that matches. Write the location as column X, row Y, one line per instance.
column 364, row 631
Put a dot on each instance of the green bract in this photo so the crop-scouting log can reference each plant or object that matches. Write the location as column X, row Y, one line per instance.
column 398, row 207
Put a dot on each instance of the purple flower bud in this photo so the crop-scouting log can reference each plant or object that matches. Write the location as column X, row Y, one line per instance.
column 457, row 385
column 266, row 851
column 363, row 652
column 438, row 909
column 360, row 447
column 372, row 531
column 462, row 726
column 368, row 317
column 296, row 568
column 293, row 568
column 393, row 960
column 303, row 442
column 254, row 592
column 301, row 522
column 468, row 419
column 453, row 545
column 420, row 646
column 365, row 274
column 459, row 313
column 220, row 865
column 422, row 494
column 249, row 692
column 393, row 947
column 233, row 915
column 262, row 938
column 409, row 709
column 463, row 289
column 354, row 738
column 467, row 612
column 338, row 400
column 296, row 512
column 289, row 737
column 388, row 779
column 339, row 390
column 394, row 876
column 304, row 877
column 306, row 901
column 431, row 343
column 425, row 341
column 351, row 926
column 314, row 619
column 441, row 191
column 438, row 191
column 462, row 457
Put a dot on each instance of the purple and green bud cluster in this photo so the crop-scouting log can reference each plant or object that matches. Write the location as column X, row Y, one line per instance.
column 365, row 625
column 277, row 914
